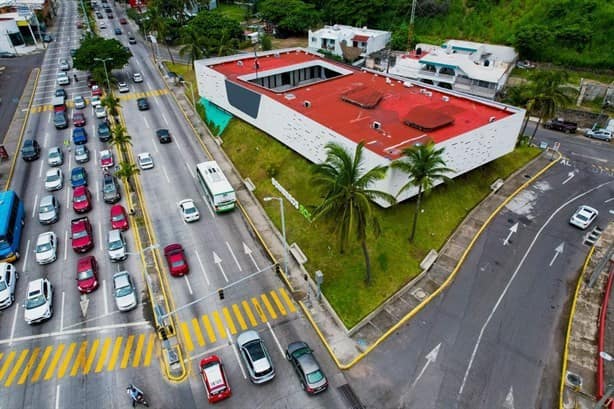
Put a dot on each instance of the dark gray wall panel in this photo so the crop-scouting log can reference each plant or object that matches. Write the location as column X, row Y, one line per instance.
column 243, row 99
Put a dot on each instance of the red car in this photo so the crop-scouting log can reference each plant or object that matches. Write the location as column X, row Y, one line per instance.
column 214, row 378
column 175, row 257
column 96, row 91
column 118, row 218
column 81, row 234
column 81, row 199
column 106, row 159
column 78, row 119
column 123, row 21
column 87, row 274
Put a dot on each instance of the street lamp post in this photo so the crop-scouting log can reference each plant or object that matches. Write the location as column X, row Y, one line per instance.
column 106, row 73
column 191, row 92
column 283, row 228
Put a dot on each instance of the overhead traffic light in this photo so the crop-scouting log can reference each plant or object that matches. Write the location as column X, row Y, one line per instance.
column 220, row 293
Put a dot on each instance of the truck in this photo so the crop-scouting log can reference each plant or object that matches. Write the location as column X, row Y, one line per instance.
column 59, row 104
column 559, row 124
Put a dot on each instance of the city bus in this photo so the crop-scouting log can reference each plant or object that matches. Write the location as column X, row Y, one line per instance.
column 218, row 190
column 11, row 224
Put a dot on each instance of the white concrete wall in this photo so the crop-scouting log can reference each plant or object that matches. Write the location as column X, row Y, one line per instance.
column 7, row 26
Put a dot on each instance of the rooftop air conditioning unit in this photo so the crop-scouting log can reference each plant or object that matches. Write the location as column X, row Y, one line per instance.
column 376, row 125
column 445, row 98
column 408, row 84
column 428, row 93
column 492, row 119
column 307, row 104
column 388, row 80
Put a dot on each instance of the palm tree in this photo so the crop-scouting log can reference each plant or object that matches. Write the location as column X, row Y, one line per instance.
column 347, row 197
column 111, row 103
column 125, row 171
column 424, row 165
column 192, row 45
column 120, row 138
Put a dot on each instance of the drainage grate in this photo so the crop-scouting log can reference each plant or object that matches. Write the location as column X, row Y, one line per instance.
column 593, row 236
column 350, row 397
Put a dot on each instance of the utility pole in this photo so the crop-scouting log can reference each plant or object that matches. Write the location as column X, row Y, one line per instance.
column 410, row 30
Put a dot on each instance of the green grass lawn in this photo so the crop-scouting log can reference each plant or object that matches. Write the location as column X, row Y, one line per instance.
column 394, row 260
column 233, row 11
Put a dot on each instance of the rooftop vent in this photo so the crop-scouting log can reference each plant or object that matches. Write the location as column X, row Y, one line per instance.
column 423, row 90
column 492, row 119
column 445, row 98
column 376, row 125
column 240, row 63
column 408, row 84
column 307, row 104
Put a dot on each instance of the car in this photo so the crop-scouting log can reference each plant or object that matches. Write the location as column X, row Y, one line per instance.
column 110, row 189
column 81, row 199
column 47, row 38
column 55, row 156
column 78, row 177
column 95, row 101
column 48, row 210
column 214, row 379
column 79, row 136
column 525, row 65
column 118, row 31
column 59, row 120
column 99, row 15
column 189, row 211
column 79, row 24
column 38, row 306
column 81, row 234
column 87, row 274
column 306, row 367
column 110, row 16
column 255, row 357
column 142, row 104
column 119, row 220
column 82, row 154
column 73, row 52
column 62, row 78
column 64, row 64
column 96, row 91
column 104, row 132
column 8, row 281
column 79, row 102
column 131, row 38
column 59, row 103
column 559, row 124
column 60, row 92
column 54, row 179
column 46, row 248
column 30, row 150
column 100, row 111
column 163, row 135
column 106, row 159
column 145, row 161
column 78, row 119
column 123, row 87
column 602, row 134
column 137, row 77
column 123, row 21
column 90, row 81
column 7, row 54
column 583, row 217
column 116, row 245
column 102, row 25
column 175, row 257
column 124, row 291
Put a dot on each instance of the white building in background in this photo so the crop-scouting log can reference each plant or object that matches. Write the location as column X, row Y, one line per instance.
column 332, row 39
column 474, row 68
column 305, row 101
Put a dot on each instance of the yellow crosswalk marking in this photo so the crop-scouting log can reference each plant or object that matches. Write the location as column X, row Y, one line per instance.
column 277, row 301
column 237, row 311
column 186, row 336
column 199, row 334
column 209, row 328
column 54, row 362
column 139, row 349
column 91, row 356
column 287, row 299
column 231, row 324
column 150, row 347
column 103, row 355
column 41, row 364
column 116, row 348
column 29, row 365
column 219, row 324
column 268, row 306
column 80, row 360
column 250, row 315
column 17, row 367
column 259, row 310
column 66, row 360
column 7, row 364
column 127, row 351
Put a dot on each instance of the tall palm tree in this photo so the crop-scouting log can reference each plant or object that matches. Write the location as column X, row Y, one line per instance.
column 120, row 138
column 192, row 45
column 125, row 171
column 347, row 197
column 424, row 166
column 111, row 103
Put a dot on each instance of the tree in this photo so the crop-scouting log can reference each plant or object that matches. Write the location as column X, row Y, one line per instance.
column 290, row 16
column 347, row 196
column 158, row 23
column 216, row 31
column 94, row 49
column 424, row 166
column 111, row 103
column 125, row 171
column 120, row 138
column 192, row 45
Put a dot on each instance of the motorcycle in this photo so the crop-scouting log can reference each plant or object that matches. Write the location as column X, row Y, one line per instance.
column 136, row 395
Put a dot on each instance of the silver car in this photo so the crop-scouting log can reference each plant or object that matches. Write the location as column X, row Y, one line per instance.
column 48, row 210
column 116, row 245
column 255, row 357
column 54, row 179
column 124, row 291
column 46, row 248
column 82, row 154
column 8, row 280
column 55, row 156
column 79, row 102
column 145, row 160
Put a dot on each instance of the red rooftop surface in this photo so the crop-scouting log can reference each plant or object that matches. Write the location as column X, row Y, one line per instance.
column 384, row 113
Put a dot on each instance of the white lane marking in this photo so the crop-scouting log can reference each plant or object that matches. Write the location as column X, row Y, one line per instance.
column 34, row 207
column 190, row 170
column 146, row 123
column 65, row 244
column 589, row 157
column 202, row 268
column 206, row 352
column 236, row 352
column 178, row 146
column 509, row 283
column 155, row 145
column 67, row 198
column 46, row 139
column 104, row 293
column 57, row 396
column 11, row 339
column 166, row 175
column 208, row 205
column 40, row 170
column 281, row 350
column 185, row 277
column 97, row 192
column 69, row 160
column 609, row 200
column 62, row 312
column 100, row 235
column 233, row 256
column 25, row 259
column 165, row 120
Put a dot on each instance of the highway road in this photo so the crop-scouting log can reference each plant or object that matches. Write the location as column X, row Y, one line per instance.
column 72, row 361
column 493, row 339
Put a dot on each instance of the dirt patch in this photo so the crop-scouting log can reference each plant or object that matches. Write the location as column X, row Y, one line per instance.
column 289, row 42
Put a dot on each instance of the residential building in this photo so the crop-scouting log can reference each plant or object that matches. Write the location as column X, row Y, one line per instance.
column 346, row 41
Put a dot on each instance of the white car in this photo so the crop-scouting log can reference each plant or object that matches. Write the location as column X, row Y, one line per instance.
column 123, row 87
column 583, row 217
column 124, row 291
column 79, row 102
column 95, row 101
column 8, row 280
column 188, row 209
column 55, row 156
column 100, row 111
column 46, row 248
column 54, row 179
column 64, row 65
column 103, row 24
column 62, row 78
column 602, row 134
column 137, row 77
column 39, row 301
column 145, row 160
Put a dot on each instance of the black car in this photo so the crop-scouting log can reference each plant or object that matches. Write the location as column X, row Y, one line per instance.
column 60, row 92
column 99, row 15
column 110, row 189
column 163, row 135
column 59, row 120
column 30, row 150
column 7, row 54
column 47, row 38
column 104, row 132
column 73, row 52
column 142, row 104
column 118, row 31
column 306, row 367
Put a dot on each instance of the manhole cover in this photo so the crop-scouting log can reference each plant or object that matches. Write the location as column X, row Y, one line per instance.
column 419, row 293
column 574, row 380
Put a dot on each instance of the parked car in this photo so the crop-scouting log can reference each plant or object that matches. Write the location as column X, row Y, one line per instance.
column 62, row 78
column 110, row 189
column 142, row 104
column 306, row 367
column 60, row 92
column 100, row 111
column 163, row 135
column 175, row 258
column 54, row 179
column 79, row 136
column 96, row 91
column 48, row 210
column 87, row 274
column 124, row 291
column 116, row 245
column 78, row 177
column 106, row 159
column 119, row 220
column 46, row 248
column 145, row 161
column 55, row 156
column 79, row 102
column 561, row 125
column 189, row 211
column 104, row 132
column 255, row 356
column 30, row 150
column 82, row 154
column 8, row 282
column 64, row 64
column 131, row 38
column 47, row 38
column 102, row 25
column 59, row 120
column 38, row 306
column 95, row 101
column 137, row 77
column 118, row 31
column 583, row 217
column 81, row 199
column 525, row 65
column 78, row 119
column 123, row 21
column 214, row 379
column 123, row 87
column 81, row 234
column 602, row 134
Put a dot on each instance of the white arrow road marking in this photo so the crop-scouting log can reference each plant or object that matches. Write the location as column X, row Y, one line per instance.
column 430, row 358
column 248, row 251
column 558, row 250
column 217, row 260
column 185, row 277
column 202, row 267
column 85, row 302
column 233, row 256
column 509, row 399
column 513, row 230
column 570, row 176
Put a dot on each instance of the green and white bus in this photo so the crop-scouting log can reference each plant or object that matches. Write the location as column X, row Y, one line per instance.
column 218, row 190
